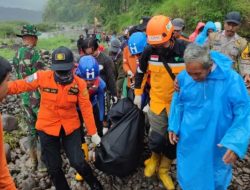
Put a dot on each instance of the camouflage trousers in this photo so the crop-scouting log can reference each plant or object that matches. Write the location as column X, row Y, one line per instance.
column 30, row 102
column 31, row 105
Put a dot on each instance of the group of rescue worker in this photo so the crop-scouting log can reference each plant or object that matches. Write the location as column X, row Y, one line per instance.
column 60, row 99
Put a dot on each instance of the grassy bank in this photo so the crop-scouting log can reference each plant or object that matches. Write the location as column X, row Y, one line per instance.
column 10, row 28
column 7, row 53
column 54, row 42
column 47, row 44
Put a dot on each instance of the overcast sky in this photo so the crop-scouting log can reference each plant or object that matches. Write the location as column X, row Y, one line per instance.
column 24, row 4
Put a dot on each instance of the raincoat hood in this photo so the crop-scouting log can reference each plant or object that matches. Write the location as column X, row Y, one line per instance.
column 199, row 25
column 223, row 65
column 202, row 37
column 196, row 31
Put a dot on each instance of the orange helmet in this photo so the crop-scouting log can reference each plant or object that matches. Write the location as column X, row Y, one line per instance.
column 159, row 30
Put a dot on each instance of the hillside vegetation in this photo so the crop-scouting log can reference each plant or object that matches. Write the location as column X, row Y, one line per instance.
column 118, row 14
column 11, row 28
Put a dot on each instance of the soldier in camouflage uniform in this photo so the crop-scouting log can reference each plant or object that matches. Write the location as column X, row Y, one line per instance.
column 26, row 62
column 231, row 44
column 45, row 56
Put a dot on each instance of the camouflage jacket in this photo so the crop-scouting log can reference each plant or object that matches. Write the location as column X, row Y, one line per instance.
column 27, row 61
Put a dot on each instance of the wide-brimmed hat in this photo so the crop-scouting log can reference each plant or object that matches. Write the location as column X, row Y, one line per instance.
column 28, row 30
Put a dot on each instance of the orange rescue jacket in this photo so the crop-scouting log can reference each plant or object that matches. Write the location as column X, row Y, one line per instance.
column 58, row 103
column 130, row 62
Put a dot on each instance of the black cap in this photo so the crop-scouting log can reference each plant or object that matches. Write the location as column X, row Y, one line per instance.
column 233, row 17
column 62, row 59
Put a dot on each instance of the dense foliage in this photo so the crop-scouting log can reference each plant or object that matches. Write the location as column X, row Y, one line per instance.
column 115, row 15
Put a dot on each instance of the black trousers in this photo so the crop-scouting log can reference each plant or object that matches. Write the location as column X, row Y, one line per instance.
column 98, row 123
column 160, row 144
column 51, row 146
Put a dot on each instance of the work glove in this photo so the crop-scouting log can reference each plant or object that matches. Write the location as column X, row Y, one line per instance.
column 114, row 99
column 92, row 155
column 130, row 74
column 105, row 127
column 105, row 130
column 145, row 109
column 92, row 147
column 137, row 101
column 96, row 139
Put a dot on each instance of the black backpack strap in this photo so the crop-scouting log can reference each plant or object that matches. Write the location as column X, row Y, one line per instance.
column 169, row 70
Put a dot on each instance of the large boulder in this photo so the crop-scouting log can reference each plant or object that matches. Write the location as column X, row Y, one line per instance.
column 10, row 123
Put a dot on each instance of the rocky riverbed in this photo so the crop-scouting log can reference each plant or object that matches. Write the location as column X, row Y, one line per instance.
column 26, row 179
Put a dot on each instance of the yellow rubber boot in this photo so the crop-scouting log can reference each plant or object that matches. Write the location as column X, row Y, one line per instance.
column 163, row 173
column 146, row 161
column 85, row 148
column 151, row 165
column 86, row 151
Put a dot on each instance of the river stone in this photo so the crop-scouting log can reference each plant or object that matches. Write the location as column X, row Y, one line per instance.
column 29, row 184
column 11, row 98
column 24, row 144
column 246, row 170
column 7, row 152
column 9, row 122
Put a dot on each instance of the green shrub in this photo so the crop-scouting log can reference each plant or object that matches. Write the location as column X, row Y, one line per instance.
column 45, row 27
column 7, row 53
column 54, row 42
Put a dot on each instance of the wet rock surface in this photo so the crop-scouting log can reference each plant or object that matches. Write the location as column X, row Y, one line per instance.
column 9, row 122
column 27, row 179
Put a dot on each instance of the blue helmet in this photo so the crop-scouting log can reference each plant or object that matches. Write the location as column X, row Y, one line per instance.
column 137, row 42
column 88, row 68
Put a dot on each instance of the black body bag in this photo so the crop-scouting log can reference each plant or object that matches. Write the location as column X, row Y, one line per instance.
column 121, row 147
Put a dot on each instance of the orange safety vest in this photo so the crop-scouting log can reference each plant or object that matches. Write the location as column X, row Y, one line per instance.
column 58, row 102
column 6, row 182
column 162, row 85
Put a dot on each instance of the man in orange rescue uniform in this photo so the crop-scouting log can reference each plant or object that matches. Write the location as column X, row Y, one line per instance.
column 159, row 58
column 58, row 120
